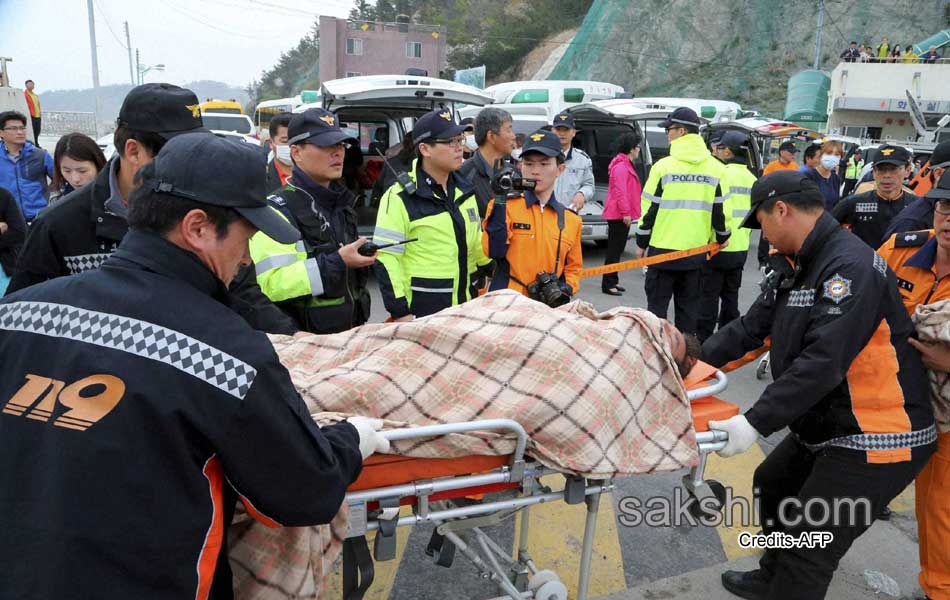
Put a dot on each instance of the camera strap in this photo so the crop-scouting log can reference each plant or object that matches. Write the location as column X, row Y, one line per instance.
column 560, row 231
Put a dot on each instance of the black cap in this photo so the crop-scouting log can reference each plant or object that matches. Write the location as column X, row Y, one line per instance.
column 318, row 127
column 734, row 140
column 212, row 170
column 941, row 155
column 789, row 147
column 890, row 154
column 779, row 184
column 681, row 116
column 563, row 119
column 437, row 125
column 161, row 108
column 941, row 191
column 545, row 142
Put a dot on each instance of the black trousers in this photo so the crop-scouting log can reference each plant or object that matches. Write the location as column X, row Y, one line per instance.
column 825, row 477
column 617, row 234
column 37, row 121
column 719, row 299
column 680, row 285
column 849, row 185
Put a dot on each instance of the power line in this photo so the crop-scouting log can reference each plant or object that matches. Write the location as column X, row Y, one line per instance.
column 109, row 26
column 187, row 14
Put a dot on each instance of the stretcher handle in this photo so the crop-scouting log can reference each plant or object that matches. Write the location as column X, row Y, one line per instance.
column 448, row 428
column 711, row 441
column 720, row 385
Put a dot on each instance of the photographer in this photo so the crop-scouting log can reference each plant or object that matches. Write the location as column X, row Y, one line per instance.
column 535, row 240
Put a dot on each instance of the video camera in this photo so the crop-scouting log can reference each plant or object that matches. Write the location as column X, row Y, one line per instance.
column 506, row 178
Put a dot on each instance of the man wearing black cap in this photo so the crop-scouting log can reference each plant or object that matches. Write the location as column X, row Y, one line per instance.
column 83, row 229
column 531, row 233
column 320, row 282
column 847, row 383
column 785, row 161
column 920, row 215
column 870, row 214
column 138, row 408
column 722, row 274
column 575, row 186
column 438, row 207
column 682, row 209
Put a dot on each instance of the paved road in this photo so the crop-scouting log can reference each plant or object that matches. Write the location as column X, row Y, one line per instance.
column 633, row 563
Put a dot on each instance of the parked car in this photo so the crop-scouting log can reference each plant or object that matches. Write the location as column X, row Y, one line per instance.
column 767, row 136
column 231, row 123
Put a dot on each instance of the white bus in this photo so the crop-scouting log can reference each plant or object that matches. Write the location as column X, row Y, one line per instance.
column 268, row 108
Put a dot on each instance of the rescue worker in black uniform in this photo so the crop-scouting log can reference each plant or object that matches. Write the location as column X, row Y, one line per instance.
column 847, row 383
column 870, row 214
column 138, row 408
column 321, row 281
column 83, row 229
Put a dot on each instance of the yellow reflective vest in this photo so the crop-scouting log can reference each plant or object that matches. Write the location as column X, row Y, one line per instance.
column 440, row 269
column 736, row 185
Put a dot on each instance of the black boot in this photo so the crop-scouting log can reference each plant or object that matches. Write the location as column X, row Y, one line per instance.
column 751, row 585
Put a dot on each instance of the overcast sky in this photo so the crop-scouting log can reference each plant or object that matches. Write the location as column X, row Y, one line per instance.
column 224, row 40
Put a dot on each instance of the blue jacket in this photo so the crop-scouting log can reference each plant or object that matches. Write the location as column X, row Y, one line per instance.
column 26, row 178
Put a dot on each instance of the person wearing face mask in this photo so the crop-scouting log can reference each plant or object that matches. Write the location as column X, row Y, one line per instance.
column 868, row 215
column 826, row 173
column 279, row 169
column 76, row 161
column 321, row 281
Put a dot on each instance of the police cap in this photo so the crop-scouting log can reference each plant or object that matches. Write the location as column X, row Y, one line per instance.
column 318, row 127
column 161, row 108
column 219, row 172
column 564, row 119
column 681, row 116
column 437, row 125
column 890, row 154
column 543, row 142
column 780, row 186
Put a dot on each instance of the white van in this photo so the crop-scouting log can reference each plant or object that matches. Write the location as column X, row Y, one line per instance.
column 535, row 103
column 379, row 110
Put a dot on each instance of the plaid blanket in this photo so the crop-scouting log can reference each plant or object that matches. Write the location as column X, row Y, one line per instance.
column 598, row 394
column 933, row 325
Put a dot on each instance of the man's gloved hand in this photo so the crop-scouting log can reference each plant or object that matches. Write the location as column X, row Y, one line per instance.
column 370, row 440
column 741, row 435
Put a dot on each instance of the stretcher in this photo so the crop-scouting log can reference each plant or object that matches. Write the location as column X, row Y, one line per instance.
column 463, row 496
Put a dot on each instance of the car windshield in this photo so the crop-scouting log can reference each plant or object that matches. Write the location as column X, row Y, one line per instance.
column 239, row 124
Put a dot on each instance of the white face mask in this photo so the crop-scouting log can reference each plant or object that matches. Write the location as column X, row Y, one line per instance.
column 829, row 161
column 516, row 153
column 470, row 142
column 283, row 153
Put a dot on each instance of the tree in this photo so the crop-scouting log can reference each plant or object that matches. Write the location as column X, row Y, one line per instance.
column 362, row 11
column 385, row 11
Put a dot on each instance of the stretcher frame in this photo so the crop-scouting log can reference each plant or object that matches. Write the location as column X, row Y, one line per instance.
column 517, row 577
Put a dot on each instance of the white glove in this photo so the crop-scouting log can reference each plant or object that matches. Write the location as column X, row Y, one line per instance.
column 370, row 441
column 741, row 435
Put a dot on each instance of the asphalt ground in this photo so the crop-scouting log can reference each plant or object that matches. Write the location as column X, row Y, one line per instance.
column 647, row 561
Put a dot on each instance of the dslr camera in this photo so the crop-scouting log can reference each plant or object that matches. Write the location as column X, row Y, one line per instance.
column 546, row 288
column 507, row 179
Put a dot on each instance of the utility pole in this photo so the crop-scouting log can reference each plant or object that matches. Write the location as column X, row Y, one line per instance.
column 821, row 23
column 95, row 61
column 128, row 44
column 138, row 68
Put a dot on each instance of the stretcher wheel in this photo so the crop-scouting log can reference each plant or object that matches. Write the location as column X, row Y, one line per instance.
column 552, row 590
column 703, row 512
column 540, row 578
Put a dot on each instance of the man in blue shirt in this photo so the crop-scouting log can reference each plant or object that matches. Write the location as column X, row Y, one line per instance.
column 24, row 168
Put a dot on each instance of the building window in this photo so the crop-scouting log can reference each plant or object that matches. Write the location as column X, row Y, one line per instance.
column 413, row 49
column 353, row 74
column 354, row 46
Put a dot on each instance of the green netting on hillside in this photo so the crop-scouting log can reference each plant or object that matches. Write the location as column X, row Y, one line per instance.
column 585, row 49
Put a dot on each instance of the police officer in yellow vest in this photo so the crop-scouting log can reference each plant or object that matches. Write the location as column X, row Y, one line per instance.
column 852, row 173
column 437, row 207
column 682, row 209
column 722, row 274
column 321, row 280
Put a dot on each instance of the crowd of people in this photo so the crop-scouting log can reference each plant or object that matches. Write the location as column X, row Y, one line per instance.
column 886, row 53
column 150, row 276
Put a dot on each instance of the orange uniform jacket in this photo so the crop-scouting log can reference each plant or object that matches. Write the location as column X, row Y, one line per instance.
column 524, row 242
column 911, row 256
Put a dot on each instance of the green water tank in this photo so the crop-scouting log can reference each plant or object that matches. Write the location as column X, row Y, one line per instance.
column 806, row 101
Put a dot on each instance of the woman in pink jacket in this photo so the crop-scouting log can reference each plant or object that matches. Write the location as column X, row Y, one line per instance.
column 622, row 206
